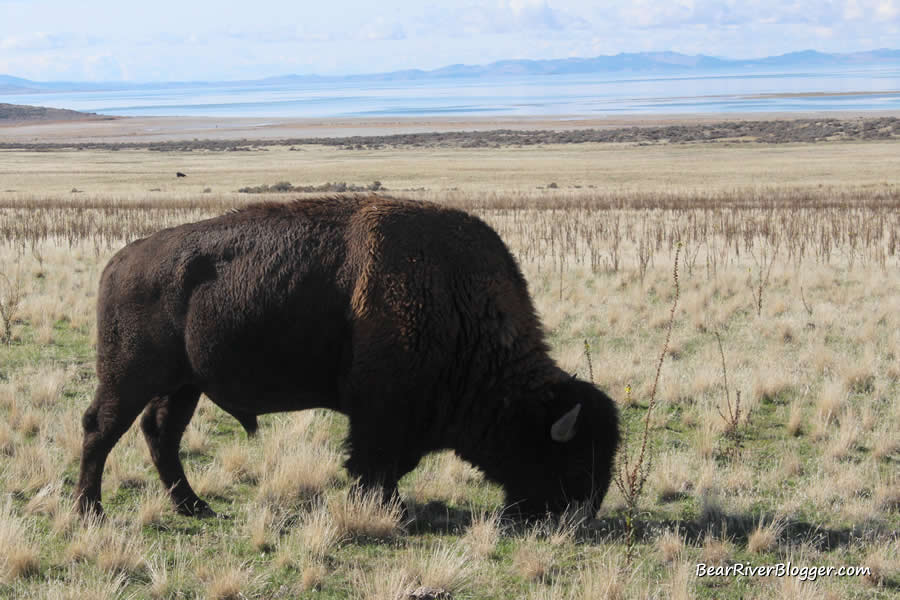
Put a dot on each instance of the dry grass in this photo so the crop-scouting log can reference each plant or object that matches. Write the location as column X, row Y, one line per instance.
column 259, row 527
column 360, row 513
column 19, row 555
column 122, row 551
column 295, row 468
column 443, row 477
column 167, row 581
column 48, row 386
column 154, row 506
column 239, row 463
column 817, row 373
column 446, row 567
column 605, row 579
column 670, row 545
column 533, row 559
column 196, row 438
column 716, row 550
column 623, row 167
column 795, row 420
column 673, row 477
column 789, row 466
column 46, row 501
column 30, row 470
column 765, row 537
column 110, row 546
column 318, row 532
column 483, row 534
column 208, row 480
column 229, row 582
column 391, row 584
column 885, row 443
column 831, row 402
column 680, row 581
column 313, row 576
column 553, row 590
column 846, row 439
column 563, row 530
column 883, row 561
column 86, row 586
column 887, row 494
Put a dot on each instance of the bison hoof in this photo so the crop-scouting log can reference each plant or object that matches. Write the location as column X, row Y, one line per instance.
column 196, row 508
column 89, row 508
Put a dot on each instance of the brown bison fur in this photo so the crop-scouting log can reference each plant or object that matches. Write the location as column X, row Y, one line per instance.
column 411, row 319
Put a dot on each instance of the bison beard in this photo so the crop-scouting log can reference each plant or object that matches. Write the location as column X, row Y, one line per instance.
column 412, row 319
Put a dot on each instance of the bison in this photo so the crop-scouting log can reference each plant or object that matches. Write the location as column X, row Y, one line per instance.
column 412, row 319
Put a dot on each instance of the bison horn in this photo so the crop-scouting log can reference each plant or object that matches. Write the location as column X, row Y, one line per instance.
column 564, row 428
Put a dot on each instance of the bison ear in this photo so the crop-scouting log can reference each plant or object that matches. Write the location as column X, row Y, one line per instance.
column 564, row 428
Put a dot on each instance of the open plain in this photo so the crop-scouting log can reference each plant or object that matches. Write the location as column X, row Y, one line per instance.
column 771, row 424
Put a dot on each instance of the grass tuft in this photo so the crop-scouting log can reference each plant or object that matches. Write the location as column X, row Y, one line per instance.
column 361, row 513
column 765, row 537
column 19, row 555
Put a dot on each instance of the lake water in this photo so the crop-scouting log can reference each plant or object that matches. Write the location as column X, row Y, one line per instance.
column 860, row 89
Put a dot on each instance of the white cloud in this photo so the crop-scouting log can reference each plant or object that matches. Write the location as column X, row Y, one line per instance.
column 31, row 41
column 278, row 35
column 646, row 13
column 203, row 39
column 40, row 40
column 656, row 13
column 852, row 10
column 887, row 10
column 382, row 29
column 506, row 16
column 534, row 14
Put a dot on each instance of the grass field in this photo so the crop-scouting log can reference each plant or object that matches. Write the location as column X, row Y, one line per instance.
column 788, row 254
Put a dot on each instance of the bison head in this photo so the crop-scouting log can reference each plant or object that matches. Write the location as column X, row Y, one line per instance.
column 559, row 450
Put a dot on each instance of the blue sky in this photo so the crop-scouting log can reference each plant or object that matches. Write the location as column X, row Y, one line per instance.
column 184, row 40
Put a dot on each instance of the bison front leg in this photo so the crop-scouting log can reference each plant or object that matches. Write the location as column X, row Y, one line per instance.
column 109, row 416
column 163, row 425
column 376, row 460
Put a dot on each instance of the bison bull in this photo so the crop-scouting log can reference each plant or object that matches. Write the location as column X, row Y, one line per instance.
column 411, row 319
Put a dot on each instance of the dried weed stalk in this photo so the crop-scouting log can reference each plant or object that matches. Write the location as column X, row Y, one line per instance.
column 732, row 418
column 631, row 474
column 764, row 265
column 10, row 299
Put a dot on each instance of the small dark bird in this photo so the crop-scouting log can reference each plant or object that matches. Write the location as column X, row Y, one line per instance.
column 180, row 174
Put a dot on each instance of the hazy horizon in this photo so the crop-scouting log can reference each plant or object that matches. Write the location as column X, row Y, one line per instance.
column 677, row 69
column 52, row 40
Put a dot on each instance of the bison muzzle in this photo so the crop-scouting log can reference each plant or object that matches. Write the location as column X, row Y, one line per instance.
column 412, row 319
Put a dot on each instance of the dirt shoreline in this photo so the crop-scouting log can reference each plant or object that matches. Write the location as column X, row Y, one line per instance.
column 195, row 133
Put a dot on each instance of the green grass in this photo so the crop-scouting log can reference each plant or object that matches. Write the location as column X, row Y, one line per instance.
column 816, row 532
column 765, row 440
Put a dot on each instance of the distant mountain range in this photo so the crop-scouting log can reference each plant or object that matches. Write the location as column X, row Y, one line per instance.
column 641, row 62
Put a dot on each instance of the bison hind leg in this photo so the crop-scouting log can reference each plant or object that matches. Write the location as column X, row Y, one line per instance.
column 164, row 423
column 111, row 413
